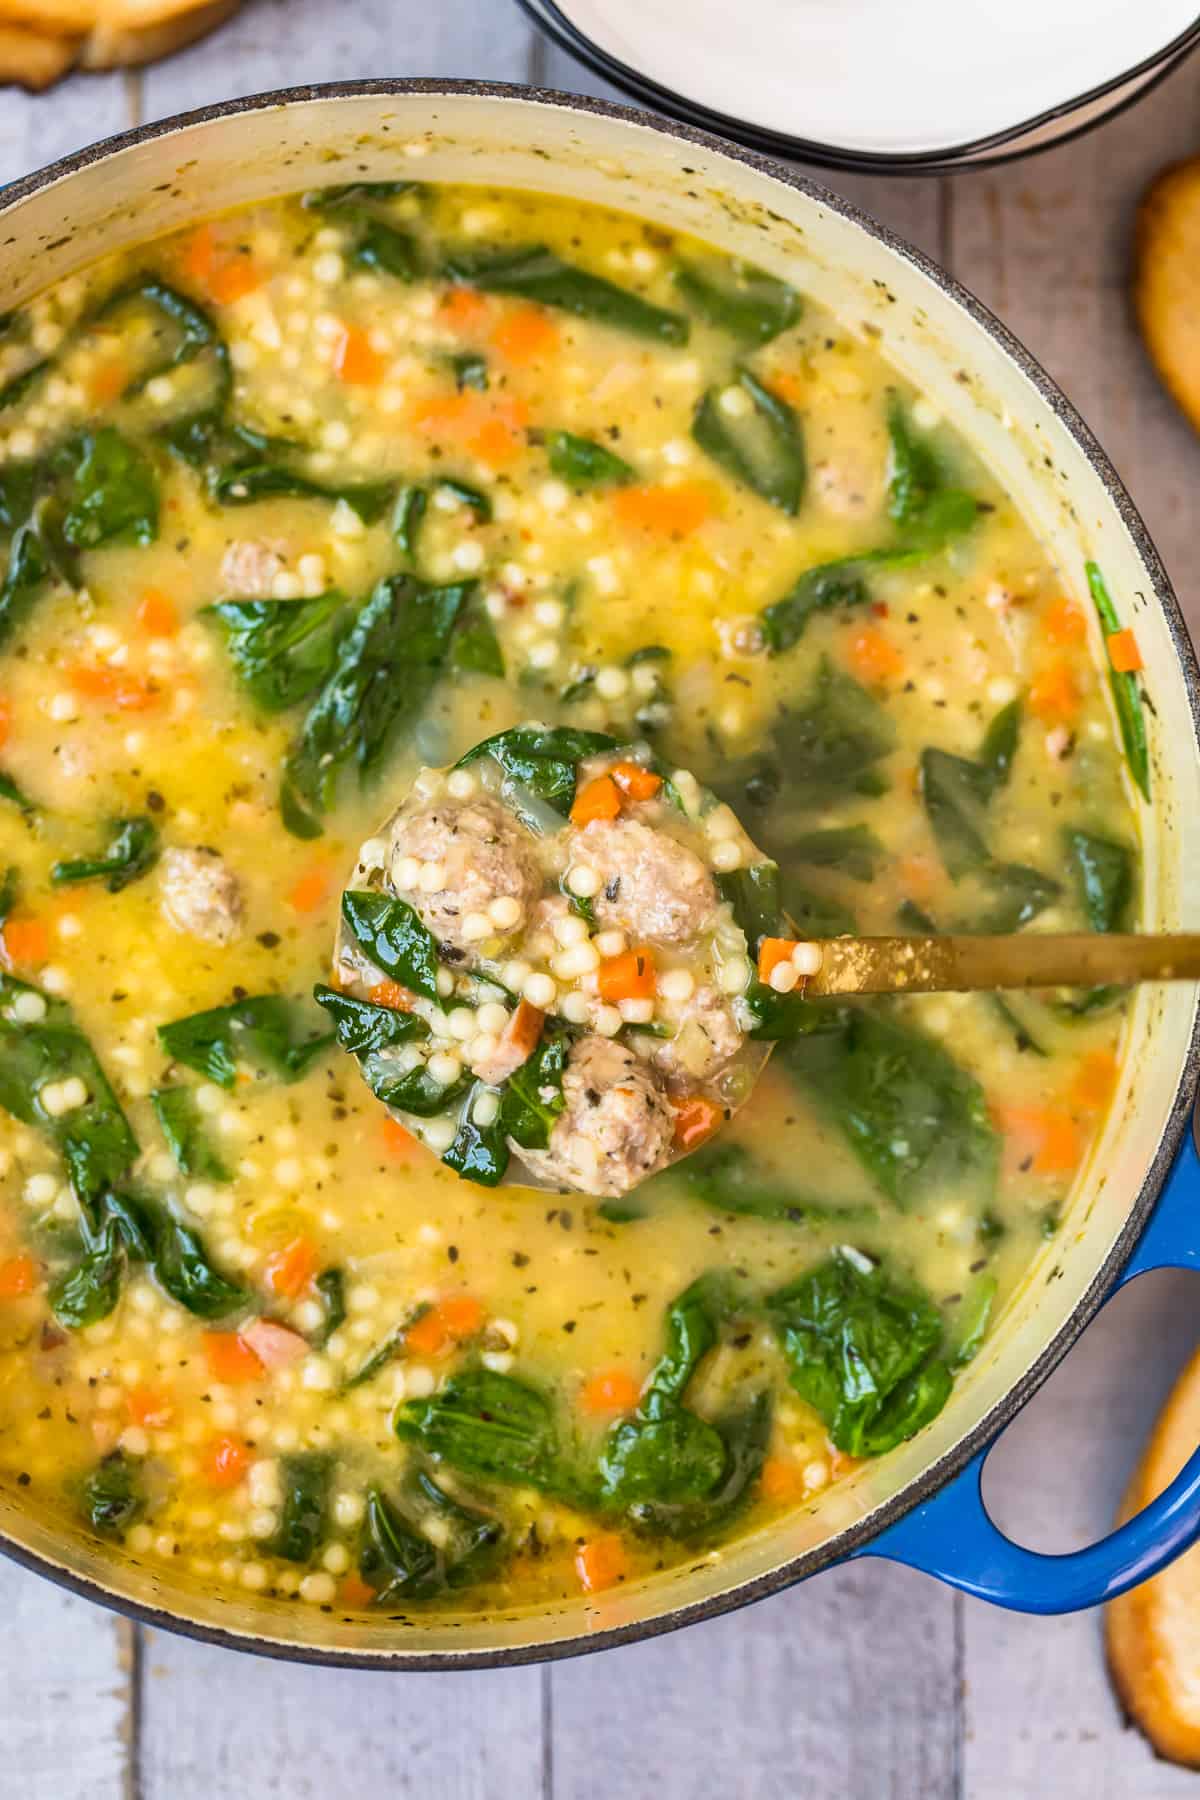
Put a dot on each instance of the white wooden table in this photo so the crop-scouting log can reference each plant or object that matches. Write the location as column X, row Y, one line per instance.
column 866, row 1682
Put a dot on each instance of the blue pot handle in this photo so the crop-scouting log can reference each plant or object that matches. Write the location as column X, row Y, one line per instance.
column 953, row 1537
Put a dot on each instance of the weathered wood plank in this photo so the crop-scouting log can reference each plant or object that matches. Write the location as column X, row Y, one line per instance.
column 219, row 1724
column 35, row 129
column 1040, row 1714
column 844, row 1687
column 278, row 43
column 65, row 1693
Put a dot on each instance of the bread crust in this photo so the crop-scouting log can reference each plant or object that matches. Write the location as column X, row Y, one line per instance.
column 1152, row 1633
column 41, row 40
column 1166, row 281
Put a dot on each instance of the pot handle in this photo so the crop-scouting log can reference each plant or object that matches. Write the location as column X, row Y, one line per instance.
column 953, row 1536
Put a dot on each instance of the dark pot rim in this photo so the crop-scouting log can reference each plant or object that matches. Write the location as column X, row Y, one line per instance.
column 945, row 1467
column 998, row 147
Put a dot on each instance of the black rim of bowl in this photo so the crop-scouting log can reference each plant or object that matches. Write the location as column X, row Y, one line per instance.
column 856, row 1537
column 981, row 153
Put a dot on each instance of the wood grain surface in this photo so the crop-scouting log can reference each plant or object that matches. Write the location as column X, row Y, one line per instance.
column 867, row 1683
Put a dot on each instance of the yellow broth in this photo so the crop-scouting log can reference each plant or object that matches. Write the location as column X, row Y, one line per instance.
column 119, row 700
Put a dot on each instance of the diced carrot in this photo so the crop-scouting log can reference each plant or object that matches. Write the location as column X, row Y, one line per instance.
column 354, row 1593
column 526, row 335
column 397, row 1138
column 630, row 976
column 668, row 511
column 390, row 993
column 789, row 386
column 1053, row 693
column 518, row 1041
column 781, row 1480
column 634, row 780
column 355, row 362
column 489, row 427
column 26, row 942
column 1123, row 652
column 772, row 952
column 1094, row 1080
column 199, row 254
column 5, row 722
column 230, row 1358
column 1047, row 1137
column 124, row 691
column 695, row 1120
column 598, row 799
column 310, row 890
column 149, row 1406
column 234, row 280
column 612, row 1391
column 225, row 1461
column 601, row 1562
column 447, row 1323
column 873, row 656
column 18, row 1277
column 1064, row 622
column 156, row 614
column 289, row 1271
column 494, row 443
column 463, row 306
column 106, row 383
column 917, row 877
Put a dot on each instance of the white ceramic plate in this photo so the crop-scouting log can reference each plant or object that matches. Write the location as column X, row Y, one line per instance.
column 875, row 79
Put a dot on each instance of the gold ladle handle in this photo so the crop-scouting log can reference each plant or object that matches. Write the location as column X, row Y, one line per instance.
column 930, row 965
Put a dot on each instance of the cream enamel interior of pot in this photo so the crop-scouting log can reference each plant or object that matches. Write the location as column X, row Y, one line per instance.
column 162, row 181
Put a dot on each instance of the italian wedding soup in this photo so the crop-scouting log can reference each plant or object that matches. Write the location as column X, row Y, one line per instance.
column 458, row 648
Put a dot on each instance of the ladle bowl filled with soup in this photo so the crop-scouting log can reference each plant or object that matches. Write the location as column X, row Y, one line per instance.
column 474, row 608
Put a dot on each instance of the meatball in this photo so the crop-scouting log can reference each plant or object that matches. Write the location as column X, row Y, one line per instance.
column 200, row 895
column 616, row 1128
column 653, row 887
column 708, row 1037
column 249, row 568
column 483, row 857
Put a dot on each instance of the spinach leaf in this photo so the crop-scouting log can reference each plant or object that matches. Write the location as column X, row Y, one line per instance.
column 479, row 1153
column 836, row 737
column 113, row 497
column 302, row 1526
column 492, row 1426
column 177, row 1113
column 470, row 370
column 829, row 587
column 259, row 1031
column 727, row 1178
column 853, row 850
column 974, row 1317
column 395, row 938
column 1015, row 893
column 16, row 796
column 914, row 1118
column 331, row 1286
column 410, row 1090
column 281, row 649
column 543, row 759
column 30, row 566
column 753, row 894
column 132, row 851
column 354, row 193
column 392, row 1347
column 744, row 1429
column 815, row 915
column 752, row 306
column 862, row 1351
column 534, row 273
column 388, row 251
column 473, row 1535
column 361, row 1025
column 1126, row 693
column 761, row 446
column 111, row 1497
column 1103, row 872
column 244, row 483
column 89, row 1292
column 94, row 1139
column 777, row 1018
column 393, row 1558
column 184, row 1270
column 533, row 1098
column 475, row 648
column 194, row 335
column 408, row 514
column 956, row 791
column 386, row 666
column 926, row 507
column 582, row 463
